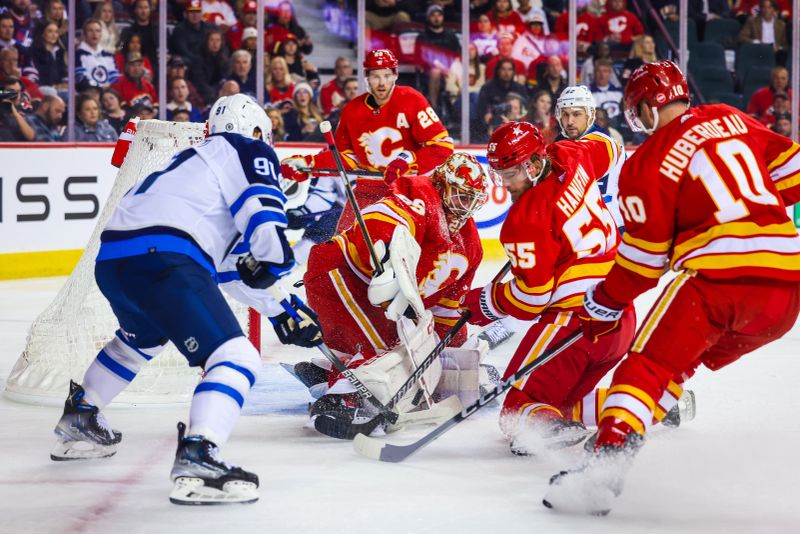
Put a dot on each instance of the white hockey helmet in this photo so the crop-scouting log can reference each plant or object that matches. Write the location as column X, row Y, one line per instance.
column 575, row 96
column 239, row 114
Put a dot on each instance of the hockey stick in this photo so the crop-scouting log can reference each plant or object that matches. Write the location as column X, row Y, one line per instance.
column 371, row 174
column 359, row 386
column 428, row 361
column 386, row 452
column 325, row 128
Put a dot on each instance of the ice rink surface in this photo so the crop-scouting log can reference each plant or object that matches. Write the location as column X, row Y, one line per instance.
column 734, row 469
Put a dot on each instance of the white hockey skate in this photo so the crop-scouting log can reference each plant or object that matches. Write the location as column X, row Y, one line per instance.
column 201, row 478
column 592, row 487
column 683, row 412
column 82, row 432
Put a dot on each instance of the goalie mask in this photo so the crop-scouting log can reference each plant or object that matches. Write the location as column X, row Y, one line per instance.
column 239, row 114
column 463, row 186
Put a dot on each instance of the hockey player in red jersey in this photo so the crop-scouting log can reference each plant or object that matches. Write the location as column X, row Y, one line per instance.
column 391, row 129
column 705, row 196
column 437, row 212
column 561, row 239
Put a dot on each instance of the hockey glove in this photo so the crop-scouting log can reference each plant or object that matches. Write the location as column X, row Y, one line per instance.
column 299, row 218
column 477, row 302
column 297, row 325
column 261, row 274
column 398, row 167
column 290, row 168
column 384, row 289
column 600, row 315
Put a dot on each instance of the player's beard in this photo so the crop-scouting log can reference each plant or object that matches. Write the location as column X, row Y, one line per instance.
column 388, row 94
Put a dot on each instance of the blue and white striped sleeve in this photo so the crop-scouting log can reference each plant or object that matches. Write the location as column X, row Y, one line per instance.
column 259, row 209
column 323, row 195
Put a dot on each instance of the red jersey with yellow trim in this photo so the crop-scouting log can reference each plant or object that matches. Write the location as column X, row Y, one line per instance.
column 708, row 193
column 559, row 235
column 447, row 263
column 370, row 136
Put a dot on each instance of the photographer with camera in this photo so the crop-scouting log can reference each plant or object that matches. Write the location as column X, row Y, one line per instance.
column 512, row 109
column 13, row 126
column 46, row 121
column 493, row 94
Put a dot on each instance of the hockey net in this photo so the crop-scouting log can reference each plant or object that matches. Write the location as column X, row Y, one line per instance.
column 66, row 337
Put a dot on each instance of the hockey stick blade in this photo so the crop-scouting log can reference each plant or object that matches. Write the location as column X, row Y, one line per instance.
column 386, row 452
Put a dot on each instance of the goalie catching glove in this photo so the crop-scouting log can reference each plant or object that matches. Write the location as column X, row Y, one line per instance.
column 600, row 315
column 384, row 289
column 297, row 325
column 261, row 274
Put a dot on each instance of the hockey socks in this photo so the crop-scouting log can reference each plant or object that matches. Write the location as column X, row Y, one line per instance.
column 231, row 371
column 115, row 366
column 200, row 476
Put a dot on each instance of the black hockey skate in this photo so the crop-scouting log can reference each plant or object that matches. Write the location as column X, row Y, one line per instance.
column 202, row 478
column 83, row 432
column 592, row 487
column 344, row 416
column 496, row 334
column 548, row 435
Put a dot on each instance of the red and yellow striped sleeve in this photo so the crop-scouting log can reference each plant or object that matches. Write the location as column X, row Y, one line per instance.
column 381, row 220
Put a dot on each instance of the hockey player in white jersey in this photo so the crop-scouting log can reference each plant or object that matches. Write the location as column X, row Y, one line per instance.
column 575, row 111
column 162, row 255
column 318, row 215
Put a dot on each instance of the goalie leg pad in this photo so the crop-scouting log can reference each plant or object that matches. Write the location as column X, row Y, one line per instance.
column 462, row 374
column 385, row 374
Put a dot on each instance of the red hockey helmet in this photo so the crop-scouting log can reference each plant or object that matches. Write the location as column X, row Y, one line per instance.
column 514, row 143
column 656, row 84
column 380, row 59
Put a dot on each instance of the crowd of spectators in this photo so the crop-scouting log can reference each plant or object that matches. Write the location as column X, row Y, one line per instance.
column 517, row 60
column 518, row 51
column 211, row 53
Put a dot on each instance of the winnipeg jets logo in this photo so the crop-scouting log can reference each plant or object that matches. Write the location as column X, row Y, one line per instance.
column 446, row 264
column 373, row 143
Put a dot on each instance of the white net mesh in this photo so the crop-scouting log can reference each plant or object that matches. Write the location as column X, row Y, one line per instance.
column 66, row 337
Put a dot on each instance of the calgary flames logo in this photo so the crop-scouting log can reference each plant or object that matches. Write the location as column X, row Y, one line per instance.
column 373, row 143
column 443, row 267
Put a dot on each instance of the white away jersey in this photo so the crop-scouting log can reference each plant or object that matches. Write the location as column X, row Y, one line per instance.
column 213, row 195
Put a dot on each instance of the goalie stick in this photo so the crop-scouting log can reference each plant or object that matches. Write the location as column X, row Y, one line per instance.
column 325, row 128
column 378, row 449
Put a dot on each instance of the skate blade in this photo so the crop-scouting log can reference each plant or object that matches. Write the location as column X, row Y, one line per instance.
column 64, row 451
column 687, row 406
column 193, row 491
